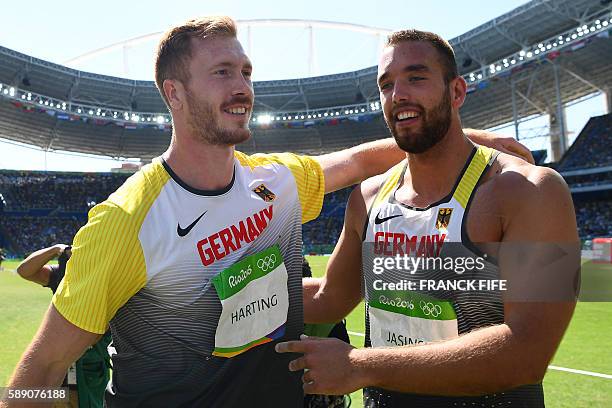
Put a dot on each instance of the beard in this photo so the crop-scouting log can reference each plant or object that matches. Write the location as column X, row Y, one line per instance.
column 435, row 125
column 205, row 124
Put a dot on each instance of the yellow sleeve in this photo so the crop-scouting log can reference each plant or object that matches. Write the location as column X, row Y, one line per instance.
column 106, row 268
column 308, row 176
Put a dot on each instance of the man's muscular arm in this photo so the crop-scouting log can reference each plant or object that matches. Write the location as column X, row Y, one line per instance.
column 33, row 268
column 350, row 166
column 332, row 297
column 488, row 360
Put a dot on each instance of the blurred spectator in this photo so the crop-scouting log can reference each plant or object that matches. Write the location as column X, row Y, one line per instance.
column 594, row 219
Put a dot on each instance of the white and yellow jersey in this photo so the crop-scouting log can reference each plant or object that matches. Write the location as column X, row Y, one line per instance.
column 414, row 303
column 197, row 286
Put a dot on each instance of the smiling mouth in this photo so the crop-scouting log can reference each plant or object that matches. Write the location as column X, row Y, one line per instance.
column 406, row 115
column 236, row 110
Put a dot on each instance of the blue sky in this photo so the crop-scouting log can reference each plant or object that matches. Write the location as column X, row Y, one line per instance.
column 60, row 30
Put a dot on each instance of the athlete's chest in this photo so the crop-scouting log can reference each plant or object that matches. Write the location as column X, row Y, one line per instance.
column 479, row 219
column 188, row 239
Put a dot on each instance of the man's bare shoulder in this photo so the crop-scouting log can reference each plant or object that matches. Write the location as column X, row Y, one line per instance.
column 369, row 188
column 516, row 180
column 534, row 201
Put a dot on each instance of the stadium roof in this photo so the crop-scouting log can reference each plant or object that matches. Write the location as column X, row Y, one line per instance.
column 492, row 57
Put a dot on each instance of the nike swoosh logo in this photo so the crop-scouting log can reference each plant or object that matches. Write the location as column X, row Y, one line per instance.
column 184, row 231
column 379, row 220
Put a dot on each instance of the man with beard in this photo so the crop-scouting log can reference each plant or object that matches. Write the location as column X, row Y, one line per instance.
column 195, row 262
column 429, row 347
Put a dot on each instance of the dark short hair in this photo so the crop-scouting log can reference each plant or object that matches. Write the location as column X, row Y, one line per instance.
column 174, row 49
column 445, row 51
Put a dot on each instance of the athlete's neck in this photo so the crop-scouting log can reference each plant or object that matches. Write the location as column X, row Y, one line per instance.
column 200, row 165
column 431, row 175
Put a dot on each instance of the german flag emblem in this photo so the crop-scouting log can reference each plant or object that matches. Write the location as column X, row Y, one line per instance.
column 264, row 193
column 444, row 215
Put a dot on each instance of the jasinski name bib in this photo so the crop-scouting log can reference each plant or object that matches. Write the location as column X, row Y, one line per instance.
column 402, row 318
column 254, row 301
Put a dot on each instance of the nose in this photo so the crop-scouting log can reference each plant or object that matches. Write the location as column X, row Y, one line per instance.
column 243, row 86
column 400, row 92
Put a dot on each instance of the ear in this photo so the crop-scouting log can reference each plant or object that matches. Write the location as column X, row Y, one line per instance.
column 175, row 93
column 458, row 90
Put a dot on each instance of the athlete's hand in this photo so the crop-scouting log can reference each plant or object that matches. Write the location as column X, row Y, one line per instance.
column 328, row 364
column 504, row 144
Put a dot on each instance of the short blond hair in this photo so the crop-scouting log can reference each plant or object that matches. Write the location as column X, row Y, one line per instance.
column 174, row 49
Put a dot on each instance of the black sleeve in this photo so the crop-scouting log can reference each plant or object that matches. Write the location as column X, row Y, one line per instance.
column 56, row 276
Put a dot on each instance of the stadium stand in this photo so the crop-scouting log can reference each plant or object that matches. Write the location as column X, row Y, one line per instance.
column 592, row 146
column 594, row 218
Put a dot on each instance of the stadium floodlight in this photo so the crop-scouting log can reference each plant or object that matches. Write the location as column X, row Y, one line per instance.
column 90, row 112
column 605, row 24
column 264, row 119
column 319, row 115
column 325, row 114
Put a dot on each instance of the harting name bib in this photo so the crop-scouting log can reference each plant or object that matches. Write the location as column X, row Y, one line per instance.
column 255, row 301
